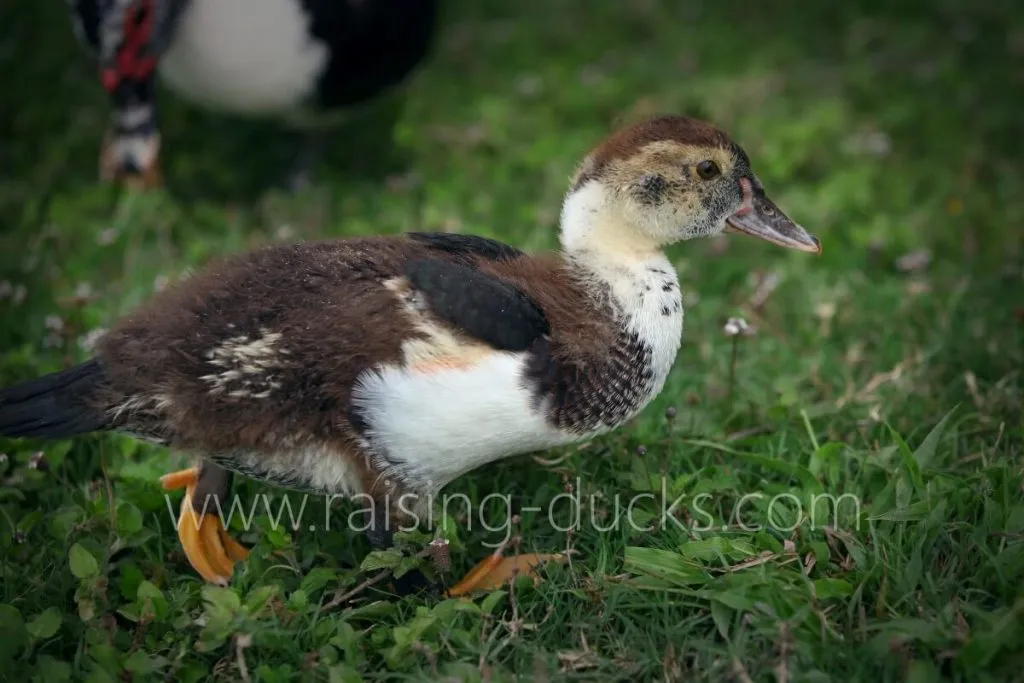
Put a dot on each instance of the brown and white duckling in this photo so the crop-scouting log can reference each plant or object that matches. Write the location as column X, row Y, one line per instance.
column 298, row 61
column 391, row 365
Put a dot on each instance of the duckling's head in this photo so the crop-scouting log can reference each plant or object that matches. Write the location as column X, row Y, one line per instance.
column 666, row 180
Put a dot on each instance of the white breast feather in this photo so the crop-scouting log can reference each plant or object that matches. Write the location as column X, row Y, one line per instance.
column 438, row 426
column 642, row 295
column 244, row 56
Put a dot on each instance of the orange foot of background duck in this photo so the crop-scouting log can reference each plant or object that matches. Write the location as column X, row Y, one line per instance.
column 131, row 159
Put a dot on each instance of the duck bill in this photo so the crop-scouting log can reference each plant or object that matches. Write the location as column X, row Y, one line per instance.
column 759, row 217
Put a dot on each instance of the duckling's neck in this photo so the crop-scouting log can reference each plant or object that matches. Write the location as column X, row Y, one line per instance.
column 597, row 245
column 592, row 231
column 643, row 285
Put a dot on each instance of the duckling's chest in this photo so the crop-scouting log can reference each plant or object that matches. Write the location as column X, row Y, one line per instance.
column 599, row 395
column 653, row 308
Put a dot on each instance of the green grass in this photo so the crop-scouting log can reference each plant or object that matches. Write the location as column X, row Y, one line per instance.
column 884, row 131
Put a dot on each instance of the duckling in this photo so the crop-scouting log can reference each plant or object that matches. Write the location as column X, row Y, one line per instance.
column 302, row 62
column 388, row 366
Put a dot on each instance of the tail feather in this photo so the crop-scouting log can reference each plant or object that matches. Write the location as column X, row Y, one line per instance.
column 54, row 406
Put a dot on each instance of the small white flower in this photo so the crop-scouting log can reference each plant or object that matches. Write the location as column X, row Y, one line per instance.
column 825, row 310
column 529, row 85
column 89, row 340
column 106, row 237
column 83, row 290
column 735, row 326
column 403, row 182
column 54, row 322
column 914, row 261
column 591, row 75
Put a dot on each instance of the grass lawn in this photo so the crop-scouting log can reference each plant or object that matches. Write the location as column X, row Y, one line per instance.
column 884, row 376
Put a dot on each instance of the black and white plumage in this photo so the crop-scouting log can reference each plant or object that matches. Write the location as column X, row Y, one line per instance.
column 389, row 366
column 298, row 61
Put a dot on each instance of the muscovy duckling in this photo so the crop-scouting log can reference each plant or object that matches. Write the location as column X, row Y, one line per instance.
column 390, row 365
column 298, row 61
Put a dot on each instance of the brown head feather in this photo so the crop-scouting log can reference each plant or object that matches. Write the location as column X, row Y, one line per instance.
column 629, row 140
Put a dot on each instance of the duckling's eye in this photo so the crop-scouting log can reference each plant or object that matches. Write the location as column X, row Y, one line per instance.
column 708, row 169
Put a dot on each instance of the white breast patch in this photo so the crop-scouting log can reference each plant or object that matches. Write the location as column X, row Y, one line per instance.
column 432, row 427
column 244, row 56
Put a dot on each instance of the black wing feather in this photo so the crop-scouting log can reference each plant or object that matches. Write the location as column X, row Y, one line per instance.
column 481, row 305
column 467, row 245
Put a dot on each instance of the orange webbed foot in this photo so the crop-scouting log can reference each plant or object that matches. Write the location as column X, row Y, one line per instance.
column 497, row 570
column 210, row 549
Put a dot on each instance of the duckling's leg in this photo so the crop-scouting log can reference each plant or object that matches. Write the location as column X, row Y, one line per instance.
column 490, row 574
column 131, row 146
column 210, row 549
column 381, row 537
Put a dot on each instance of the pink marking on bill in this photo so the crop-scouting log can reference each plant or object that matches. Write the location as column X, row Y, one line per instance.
column 748, row 197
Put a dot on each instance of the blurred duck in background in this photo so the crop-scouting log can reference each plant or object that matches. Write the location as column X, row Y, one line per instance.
column 300, row 62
